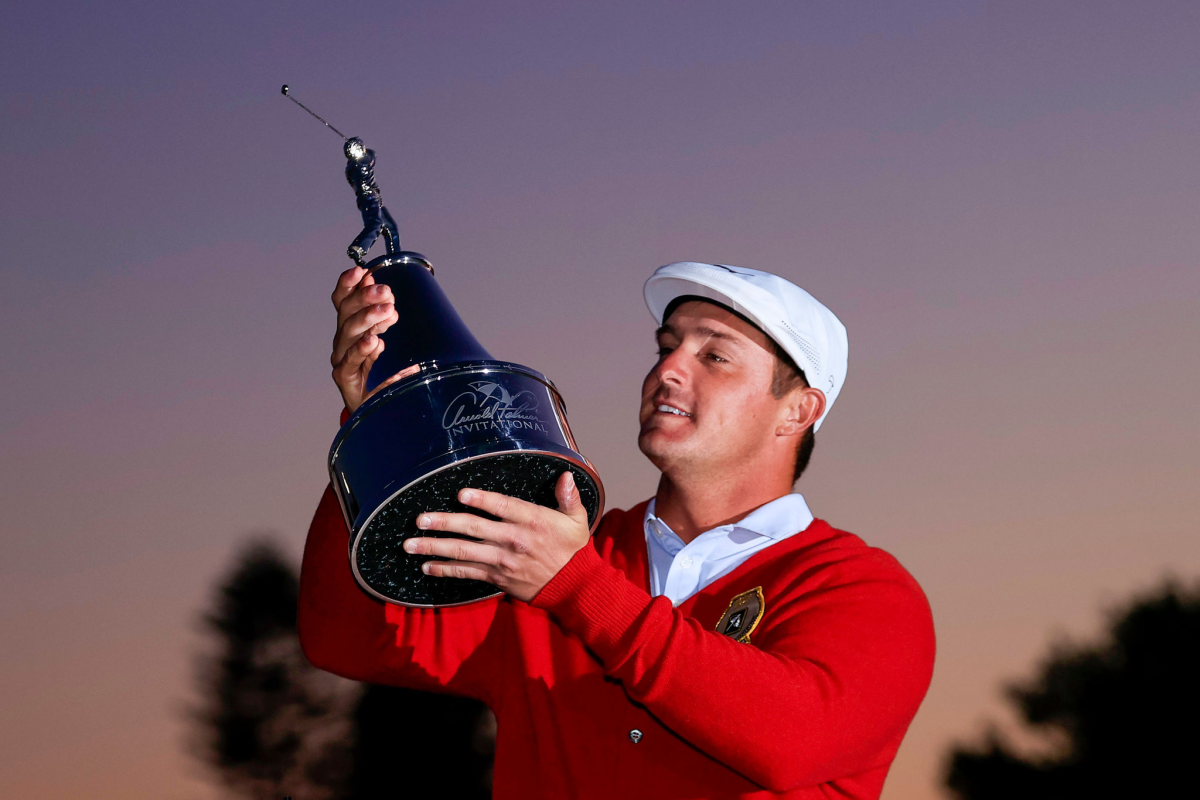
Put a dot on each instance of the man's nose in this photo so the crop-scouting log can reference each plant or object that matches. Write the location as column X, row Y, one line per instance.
column 673, row 368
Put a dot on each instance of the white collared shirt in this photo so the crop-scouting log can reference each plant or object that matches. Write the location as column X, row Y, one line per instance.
column 679, row 570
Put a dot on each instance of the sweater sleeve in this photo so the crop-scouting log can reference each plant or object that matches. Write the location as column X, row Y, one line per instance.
column 825, row 691
column 345, row 631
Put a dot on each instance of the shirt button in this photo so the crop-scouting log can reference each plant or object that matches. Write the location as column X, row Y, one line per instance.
column 635, row 736
column 686, row 561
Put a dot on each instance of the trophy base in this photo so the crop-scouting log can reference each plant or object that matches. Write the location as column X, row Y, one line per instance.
column 413, row 445
column 377, row 553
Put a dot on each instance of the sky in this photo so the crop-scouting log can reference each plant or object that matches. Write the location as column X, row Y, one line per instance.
column 999, row 200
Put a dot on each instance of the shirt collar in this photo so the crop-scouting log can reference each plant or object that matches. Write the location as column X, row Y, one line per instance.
column 776, row 520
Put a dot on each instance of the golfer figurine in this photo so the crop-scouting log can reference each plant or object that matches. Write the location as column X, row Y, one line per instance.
column 360, row 172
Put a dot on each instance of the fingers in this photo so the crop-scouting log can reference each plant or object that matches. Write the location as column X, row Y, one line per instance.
column 373, row 319
column 474, row 572
column 471, row 525
column 509, row 509
column 515, row 545
column 569, row 502
column 346, row 283
column 369, row 293
column 521, row 512
column 468, row 560
column 356, row 362
column 456, row 550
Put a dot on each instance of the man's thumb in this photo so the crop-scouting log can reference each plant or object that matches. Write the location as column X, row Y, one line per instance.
column 568, row 497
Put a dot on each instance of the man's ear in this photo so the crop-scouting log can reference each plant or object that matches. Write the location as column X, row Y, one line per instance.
column 803, row 406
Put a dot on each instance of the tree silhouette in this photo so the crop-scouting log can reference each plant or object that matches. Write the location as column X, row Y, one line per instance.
column 1123, row 713
column 271, row 725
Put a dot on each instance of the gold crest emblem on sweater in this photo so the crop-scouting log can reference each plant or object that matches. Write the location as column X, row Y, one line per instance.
column 742, row 616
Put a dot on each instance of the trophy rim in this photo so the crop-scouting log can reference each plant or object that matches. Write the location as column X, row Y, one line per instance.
column 580, row 462
column 398, row 259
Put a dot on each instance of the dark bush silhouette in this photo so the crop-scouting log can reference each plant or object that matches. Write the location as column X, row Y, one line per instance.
column 271, row 725
column 1124, row 712
column 418, row 745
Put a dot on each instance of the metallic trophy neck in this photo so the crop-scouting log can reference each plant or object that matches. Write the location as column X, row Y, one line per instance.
column 428, row 330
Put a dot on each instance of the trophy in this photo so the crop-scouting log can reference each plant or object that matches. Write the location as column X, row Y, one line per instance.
column 441, row 414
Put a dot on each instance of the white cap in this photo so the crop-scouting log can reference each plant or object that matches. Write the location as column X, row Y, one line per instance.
column 797, row 321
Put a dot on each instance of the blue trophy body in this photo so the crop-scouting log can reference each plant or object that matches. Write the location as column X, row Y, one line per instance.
column 441, row 415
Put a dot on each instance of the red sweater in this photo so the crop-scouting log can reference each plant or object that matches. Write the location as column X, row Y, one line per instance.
column 814, row 706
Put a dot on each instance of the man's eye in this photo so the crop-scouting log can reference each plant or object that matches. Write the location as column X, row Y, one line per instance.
column 714, row 357
column 662, row 351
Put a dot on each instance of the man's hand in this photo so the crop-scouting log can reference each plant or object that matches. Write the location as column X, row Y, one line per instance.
column 365, row 309
column 520, row 553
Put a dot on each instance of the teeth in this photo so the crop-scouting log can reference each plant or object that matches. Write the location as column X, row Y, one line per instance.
column 672, row 410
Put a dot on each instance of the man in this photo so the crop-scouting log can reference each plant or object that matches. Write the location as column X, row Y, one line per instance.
column 715, row 641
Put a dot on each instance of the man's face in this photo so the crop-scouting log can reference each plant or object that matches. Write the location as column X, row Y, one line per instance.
column 707, row 406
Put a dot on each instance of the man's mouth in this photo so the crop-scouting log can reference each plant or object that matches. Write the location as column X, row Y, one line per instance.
column 666, row 409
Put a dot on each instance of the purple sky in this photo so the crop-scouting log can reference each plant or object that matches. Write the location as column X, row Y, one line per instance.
column 1000, row 200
